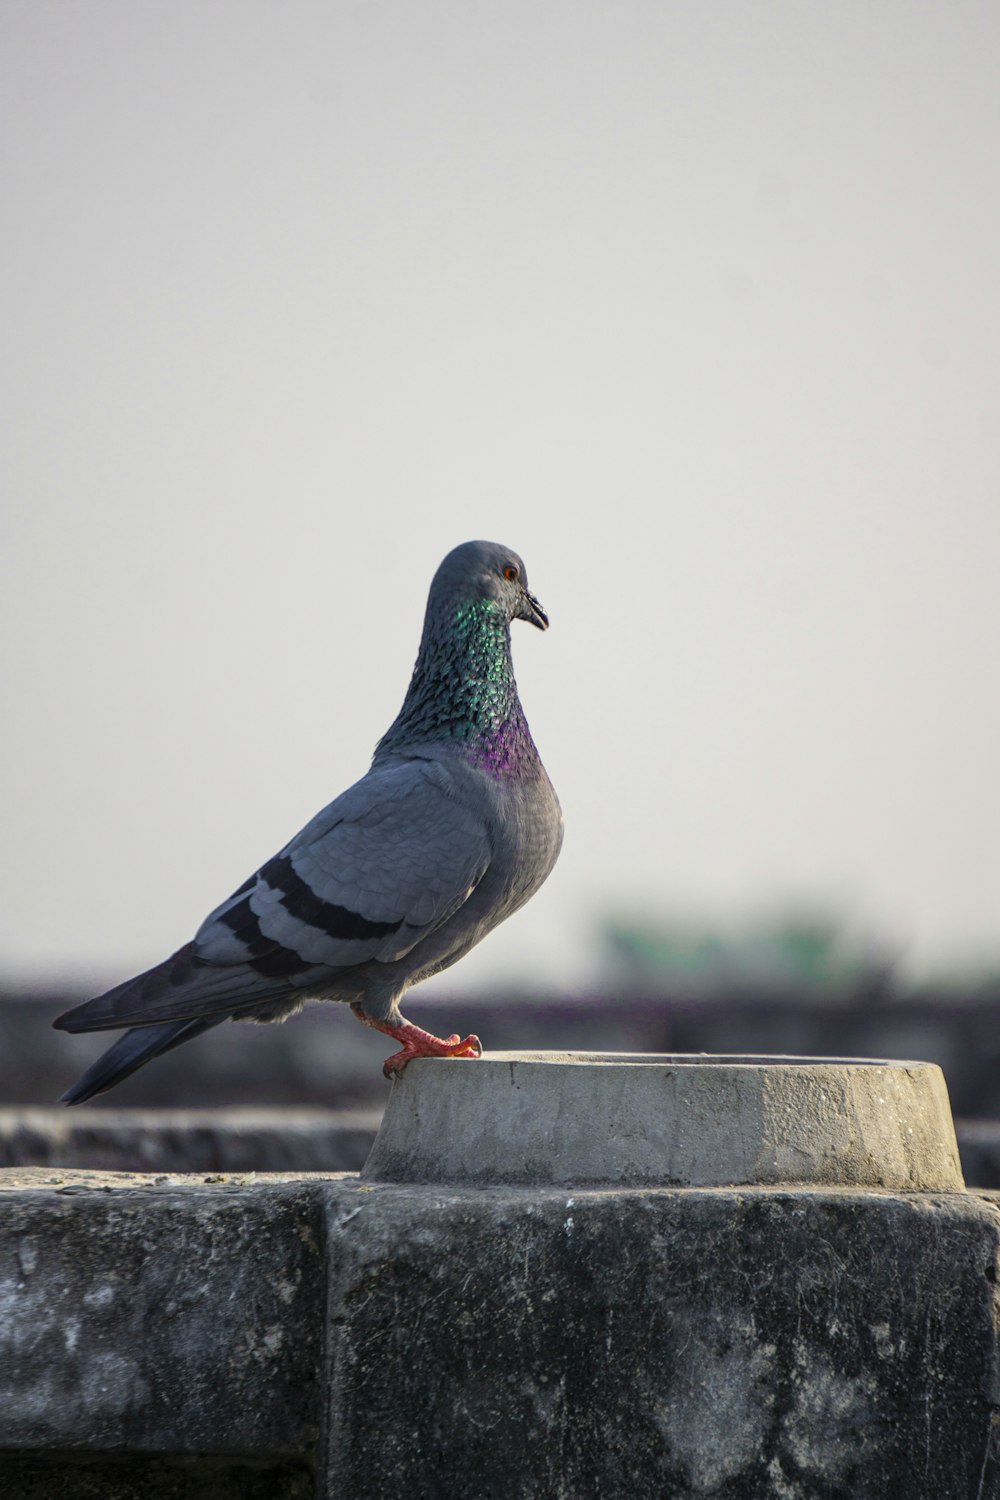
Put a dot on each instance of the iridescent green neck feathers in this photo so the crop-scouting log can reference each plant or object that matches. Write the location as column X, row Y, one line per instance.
column 463, row 689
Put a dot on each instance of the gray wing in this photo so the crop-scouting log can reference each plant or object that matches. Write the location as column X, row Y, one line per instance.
column 368, row 878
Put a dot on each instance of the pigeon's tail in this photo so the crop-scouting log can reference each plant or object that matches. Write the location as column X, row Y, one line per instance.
column 183, row 988
column 136, row 1047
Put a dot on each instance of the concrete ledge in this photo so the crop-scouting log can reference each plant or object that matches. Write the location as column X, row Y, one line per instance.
column 188, row 1140
column 271, row 1140
column 397, row 1341
column 243, row 1335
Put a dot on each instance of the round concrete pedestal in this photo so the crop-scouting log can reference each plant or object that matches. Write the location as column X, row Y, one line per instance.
column 653, row 1119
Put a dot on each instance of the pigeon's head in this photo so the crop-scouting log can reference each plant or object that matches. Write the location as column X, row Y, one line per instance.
column 485, row 570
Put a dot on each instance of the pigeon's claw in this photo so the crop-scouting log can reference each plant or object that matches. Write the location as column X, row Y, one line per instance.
column 432, row 1046
column 418, row 1043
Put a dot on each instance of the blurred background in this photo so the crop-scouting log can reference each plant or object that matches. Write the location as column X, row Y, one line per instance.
column 696, row 307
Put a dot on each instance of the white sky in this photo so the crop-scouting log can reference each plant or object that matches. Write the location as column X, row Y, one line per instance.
column 695, row 305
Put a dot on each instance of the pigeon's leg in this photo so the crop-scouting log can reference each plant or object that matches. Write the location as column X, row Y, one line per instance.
column 417, row 1043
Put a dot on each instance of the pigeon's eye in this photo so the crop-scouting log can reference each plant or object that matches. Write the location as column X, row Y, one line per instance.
column 510, row 573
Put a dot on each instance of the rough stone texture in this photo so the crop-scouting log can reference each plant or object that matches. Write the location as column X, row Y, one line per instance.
column 170, row 1319
column 741, row 1345
column 231, row 1140
column 696, row 1344
column 587, row 1118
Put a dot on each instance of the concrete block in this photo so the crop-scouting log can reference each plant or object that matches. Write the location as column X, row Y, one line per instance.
column 822, row 1338
column 476, row 1344
column 584, row 1118
column 165, row 1318
column 751, row 1344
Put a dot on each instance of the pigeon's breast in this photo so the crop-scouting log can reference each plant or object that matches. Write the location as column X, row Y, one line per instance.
column 527, row 832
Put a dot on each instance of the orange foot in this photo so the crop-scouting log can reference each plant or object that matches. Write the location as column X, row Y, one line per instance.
column 417, row 1043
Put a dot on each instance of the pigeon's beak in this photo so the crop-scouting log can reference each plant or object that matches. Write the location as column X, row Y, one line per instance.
column 533, row 612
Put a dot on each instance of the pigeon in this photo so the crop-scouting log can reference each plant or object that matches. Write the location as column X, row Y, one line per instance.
column 453, row 828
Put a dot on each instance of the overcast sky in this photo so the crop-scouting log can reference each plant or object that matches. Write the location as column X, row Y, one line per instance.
column 697, row 306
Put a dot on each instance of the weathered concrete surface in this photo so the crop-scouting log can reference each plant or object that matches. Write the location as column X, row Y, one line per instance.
column 182, row 1140
column 163, row 1318
column 587, row 1118
column 755, row 1344
column 271, row 1140
column 738, row 1344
